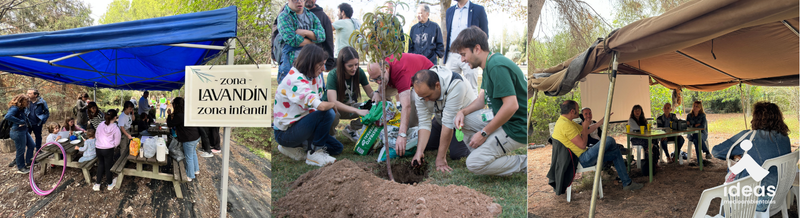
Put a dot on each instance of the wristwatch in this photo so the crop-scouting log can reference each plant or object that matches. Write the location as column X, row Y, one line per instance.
column 484, row 134
column 403, row 135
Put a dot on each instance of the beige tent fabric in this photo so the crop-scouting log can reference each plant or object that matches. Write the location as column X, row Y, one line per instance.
column 750, row 45
column 548, row 83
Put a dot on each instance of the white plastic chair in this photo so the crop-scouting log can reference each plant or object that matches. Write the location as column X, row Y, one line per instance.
column 581, row 170
column 732, row 206
column 787, row 171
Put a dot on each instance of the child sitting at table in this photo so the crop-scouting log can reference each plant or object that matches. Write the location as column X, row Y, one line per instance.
column 88, row 148
column 53, row 129
column 71, row 126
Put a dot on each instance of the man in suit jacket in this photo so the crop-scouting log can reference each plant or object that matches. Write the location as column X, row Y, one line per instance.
column 663, row 121
column 461, row 16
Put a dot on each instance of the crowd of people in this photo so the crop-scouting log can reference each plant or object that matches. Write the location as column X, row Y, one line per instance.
column 104, row 131
column 438, row 100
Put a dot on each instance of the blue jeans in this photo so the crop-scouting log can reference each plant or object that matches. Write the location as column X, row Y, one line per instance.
column 37, row 134
column 589, row 158
column 191, row 157
column 25, row 146
column 286, row 62
column 672, row 139
column 314, row 127
column 161, row 112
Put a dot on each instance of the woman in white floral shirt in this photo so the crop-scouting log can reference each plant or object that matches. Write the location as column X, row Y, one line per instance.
column 301, row 121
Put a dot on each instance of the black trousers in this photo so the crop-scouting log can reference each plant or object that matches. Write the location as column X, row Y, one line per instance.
column 458, row 149
column 105, row 160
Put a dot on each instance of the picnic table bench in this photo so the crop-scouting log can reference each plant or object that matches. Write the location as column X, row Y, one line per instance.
column 51, row 154
column 178, row 176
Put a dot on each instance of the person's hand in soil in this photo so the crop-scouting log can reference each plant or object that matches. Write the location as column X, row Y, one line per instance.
column 477, row 140
column 417, row 159
column 401, row 146
column 441, row 165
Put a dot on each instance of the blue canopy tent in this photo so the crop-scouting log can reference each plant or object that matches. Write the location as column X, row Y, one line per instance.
column 146, row 54
column 149, row 54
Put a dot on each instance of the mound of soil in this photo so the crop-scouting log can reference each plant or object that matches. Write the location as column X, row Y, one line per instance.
column 345, row 189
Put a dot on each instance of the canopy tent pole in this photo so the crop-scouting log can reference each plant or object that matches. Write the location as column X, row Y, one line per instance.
column 94, row 93
column 790, row 27
column 602, row 151
column 226, row 148
column 744, row 109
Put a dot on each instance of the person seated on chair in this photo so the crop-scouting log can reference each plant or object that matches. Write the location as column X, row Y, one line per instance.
column 440, row 93
column 575, row 136
column 771, row 140
column 639, row 124
column 344, row 92
column 663, row 121
column 697, row 119
column 594, row 137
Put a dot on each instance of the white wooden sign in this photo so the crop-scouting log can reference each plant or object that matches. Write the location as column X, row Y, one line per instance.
column 229, row 96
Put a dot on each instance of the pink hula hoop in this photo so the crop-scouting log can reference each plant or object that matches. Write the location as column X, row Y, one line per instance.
column 33, row 163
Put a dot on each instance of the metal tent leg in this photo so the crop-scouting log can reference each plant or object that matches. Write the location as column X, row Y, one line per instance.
column 602, row 150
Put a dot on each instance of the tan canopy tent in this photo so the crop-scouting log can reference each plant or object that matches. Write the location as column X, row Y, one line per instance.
column 700, row 45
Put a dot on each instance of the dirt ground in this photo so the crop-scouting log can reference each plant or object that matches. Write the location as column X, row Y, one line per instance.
column 674, row 192
column 248, row 192
column 349, row 189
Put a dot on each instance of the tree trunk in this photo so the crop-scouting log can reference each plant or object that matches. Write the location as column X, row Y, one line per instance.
column 534, row 10
column 445, row 5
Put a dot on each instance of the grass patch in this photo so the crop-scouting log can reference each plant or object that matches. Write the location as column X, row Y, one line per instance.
column 257, row 139
column 735, row 124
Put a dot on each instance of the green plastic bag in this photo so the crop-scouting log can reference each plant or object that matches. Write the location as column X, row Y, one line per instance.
column 374, row 114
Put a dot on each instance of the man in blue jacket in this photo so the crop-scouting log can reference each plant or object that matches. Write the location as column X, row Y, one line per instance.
column 37, row 113
column 426, row 36
column 459, row 17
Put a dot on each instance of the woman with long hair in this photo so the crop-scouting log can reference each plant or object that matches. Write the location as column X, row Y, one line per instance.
column 638, row 123
column 93, row 116
column 771, row 140
column 108, row 137
column 301, row 120
column 19, row 132
column 187, row 136
column 343, row 91
column 697, row 119
column 70, row 125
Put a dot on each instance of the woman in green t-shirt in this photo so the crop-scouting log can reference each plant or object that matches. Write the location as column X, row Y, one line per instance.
column 343, row 91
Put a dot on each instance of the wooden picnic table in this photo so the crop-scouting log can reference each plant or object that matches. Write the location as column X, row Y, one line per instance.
column 663, row 133
column 178, row 176
column 52, row 155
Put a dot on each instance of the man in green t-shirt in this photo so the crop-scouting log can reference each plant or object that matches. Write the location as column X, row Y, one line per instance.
column 342, row 90
column 496, row 131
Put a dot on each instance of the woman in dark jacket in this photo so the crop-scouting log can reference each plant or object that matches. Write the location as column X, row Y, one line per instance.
column 697, row 119
column 188, row 136
column 19, row 132
column 80, row 108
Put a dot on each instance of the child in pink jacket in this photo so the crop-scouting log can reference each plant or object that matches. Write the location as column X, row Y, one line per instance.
column 107, row 138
